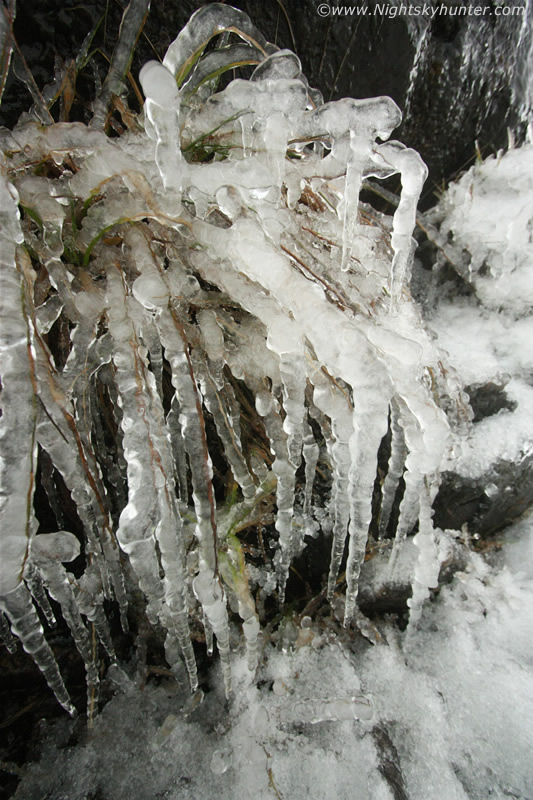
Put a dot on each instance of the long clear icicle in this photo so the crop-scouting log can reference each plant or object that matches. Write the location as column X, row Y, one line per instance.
column 370, row 425
column 138, row 519
column 48, row 551
column 208, row 589
column 311, row 454
column 19, row 451
column 409, row 510
column 151, row 513
column 427, row 567
column 332, row 403
column 18, row 459
column 25, row 624
column 285, row 472
column 395, row 468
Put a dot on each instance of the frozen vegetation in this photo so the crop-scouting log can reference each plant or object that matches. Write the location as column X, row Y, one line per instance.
column 210, row 347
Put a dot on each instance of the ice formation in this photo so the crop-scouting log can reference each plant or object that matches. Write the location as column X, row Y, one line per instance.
column 227, row 305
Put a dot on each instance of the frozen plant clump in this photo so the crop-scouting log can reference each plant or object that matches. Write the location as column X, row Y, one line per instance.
column 198, row 317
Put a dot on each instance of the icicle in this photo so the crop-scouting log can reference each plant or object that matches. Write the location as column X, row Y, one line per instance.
column 293, row 376
column 409, row 509
column 54, row 416
column 193, row 431
column 170, row 540
column 151, row 339
column 90, row 600
column 250, row 627
column 220, row 400
column 209, row 592
column 35, row 584
column 162, row 108
column 26, row 626
column 311, row 453
column 413, row 173
column 137, row 521
column 110, row 458
column 65, row 454
column 130, row 27
column 395, row 469
column 354, row 179
column 47, row 552
column 115, row 462
column 194, row 437
column 340, row 453
column 18, row 461
column 178, row 449
column 267, row 407
column 234, row 574
column 48, row 483
column 69, row 458
column 89, row 309
column 208, row 633
column 336, row 406
column 214, row 401
column 370, row 426
column 427, row 567
column 151, row 513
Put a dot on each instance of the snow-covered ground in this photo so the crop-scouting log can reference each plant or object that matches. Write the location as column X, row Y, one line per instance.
column 439, row 713
column 446, row 714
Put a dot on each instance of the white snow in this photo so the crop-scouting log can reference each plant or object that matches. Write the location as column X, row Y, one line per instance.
column 447, row 713
column 487, row 336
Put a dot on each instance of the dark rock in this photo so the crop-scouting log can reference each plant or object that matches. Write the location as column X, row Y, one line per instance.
column 487, row 399
column 489, row 503
column 389, row 762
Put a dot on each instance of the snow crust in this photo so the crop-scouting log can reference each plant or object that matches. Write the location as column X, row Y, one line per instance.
column 489, row 212
column 448, row 713
column 487, row 218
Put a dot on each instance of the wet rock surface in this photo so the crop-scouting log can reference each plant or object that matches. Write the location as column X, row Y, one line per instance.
column 488, row 503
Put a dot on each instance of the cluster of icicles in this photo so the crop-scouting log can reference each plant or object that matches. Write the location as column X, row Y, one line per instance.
column 219, row 245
